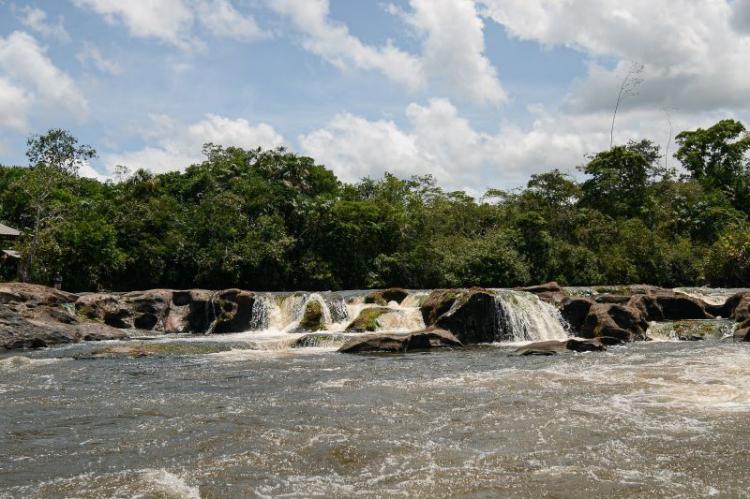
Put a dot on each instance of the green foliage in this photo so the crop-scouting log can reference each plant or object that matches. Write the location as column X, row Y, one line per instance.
column 728, row 260
column 273, row 220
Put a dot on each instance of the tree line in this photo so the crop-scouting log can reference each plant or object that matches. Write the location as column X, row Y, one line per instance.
column 273, row 220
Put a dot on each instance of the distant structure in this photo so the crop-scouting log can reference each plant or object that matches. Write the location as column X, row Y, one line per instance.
column 9, row 259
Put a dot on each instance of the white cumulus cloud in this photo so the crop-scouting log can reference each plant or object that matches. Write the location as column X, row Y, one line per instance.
column 178, row 145
column 333, row 42
column 693, row 59
column 31, row 80
column 173, row 21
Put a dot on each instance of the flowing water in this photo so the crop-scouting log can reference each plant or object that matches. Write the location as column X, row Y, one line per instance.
column 248, row 415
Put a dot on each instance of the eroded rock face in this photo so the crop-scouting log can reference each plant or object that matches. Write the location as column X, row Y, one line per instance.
column 401, row 343
column 617, row 321
column 575, row 311
column 17, row 331
column 471, row 315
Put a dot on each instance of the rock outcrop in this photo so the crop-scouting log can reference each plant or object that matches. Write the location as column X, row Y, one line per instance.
column 571, row 345
column 429, row 339
column 471, row 315
column 617, row 321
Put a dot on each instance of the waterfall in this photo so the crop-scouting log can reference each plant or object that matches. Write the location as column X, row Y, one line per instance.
column 337, row 307
column 523, row 316
column 261, row 313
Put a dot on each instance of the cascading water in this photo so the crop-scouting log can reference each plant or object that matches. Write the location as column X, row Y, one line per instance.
column 523, row 316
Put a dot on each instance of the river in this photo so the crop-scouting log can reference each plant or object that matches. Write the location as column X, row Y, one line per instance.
column 663, row 418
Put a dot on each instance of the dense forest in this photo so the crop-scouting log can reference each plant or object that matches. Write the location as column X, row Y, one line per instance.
column 273, row 220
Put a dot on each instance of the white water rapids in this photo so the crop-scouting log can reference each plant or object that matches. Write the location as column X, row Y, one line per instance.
column 522, row 316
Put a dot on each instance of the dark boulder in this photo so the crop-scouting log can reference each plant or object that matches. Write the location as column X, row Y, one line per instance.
column 384, row 296
column 555, row 347
column 234, row 311
column 472, row 315
column 648, row 305
column 574, row 311
column 437, row 303
column 737, row 307
column 617, row 321
column 401, row 343
column 679, row 306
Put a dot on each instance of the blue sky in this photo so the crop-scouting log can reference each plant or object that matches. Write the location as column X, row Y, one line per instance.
column 479, row 93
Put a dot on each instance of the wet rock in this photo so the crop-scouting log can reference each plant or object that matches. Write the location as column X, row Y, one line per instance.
column 550, row 292
column 547, row 287
column 555, row 347
column 312, row 317
column 575, row 310
column 742, row 334
column 401, row 343
column 367, row 320
column 648, row 306
column 17, row 331
column 384, row 296
column 679, row 306
column 737, row 307
column 153, row 350
column 319, row 339
column 438, row 303
column 617, row 321
column 663, row 304
column 235, row 311
column 610, row 298
column 471, row 315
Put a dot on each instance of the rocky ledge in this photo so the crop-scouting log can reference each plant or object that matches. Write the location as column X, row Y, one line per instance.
column 33, row 316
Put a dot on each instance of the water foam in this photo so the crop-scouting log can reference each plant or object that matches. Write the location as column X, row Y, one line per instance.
column 523, row 317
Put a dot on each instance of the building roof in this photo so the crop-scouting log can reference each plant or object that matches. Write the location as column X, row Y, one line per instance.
column 11, row 254
column 8, row 231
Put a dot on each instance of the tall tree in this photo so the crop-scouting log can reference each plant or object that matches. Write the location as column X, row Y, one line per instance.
column 53, row 158
column 717, row 157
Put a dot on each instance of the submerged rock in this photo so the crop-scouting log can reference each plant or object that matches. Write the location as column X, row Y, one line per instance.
column 555, row 347
column 320, row 339
column 401, row 343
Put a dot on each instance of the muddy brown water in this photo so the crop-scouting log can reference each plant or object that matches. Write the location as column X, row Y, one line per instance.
column 667, row 419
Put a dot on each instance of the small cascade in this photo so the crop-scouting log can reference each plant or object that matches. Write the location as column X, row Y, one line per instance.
column 261, row 313
column 337, row 307
column 318, row 298
column 211, row 307
column 523, row 316
column 402, row 320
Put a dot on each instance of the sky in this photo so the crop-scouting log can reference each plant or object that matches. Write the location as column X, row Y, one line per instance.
column 479, row 93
